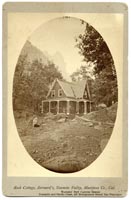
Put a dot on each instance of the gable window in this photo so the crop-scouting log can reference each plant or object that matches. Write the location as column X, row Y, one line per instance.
column 59, row 92
column 52, row 93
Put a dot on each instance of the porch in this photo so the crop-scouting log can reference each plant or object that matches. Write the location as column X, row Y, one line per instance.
column 68, row 106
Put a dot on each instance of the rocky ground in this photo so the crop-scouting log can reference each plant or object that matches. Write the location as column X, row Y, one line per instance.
column 67, row 145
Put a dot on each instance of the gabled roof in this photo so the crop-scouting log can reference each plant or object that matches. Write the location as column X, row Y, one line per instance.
column 79, row 88
column 72, row 89
column 66, row 86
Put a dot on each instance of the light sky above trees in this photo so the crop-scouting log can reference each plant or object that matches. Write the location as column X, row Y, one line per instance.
column 57, row 41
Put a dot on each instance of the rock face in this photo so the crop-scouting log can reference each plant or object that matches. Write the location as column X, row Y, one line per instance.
column 33, row 53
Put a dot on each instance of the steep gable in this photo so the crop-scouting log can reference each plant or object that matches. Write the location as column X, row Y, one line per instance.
column 73, row 90
column 79, row 89
column 56, row 90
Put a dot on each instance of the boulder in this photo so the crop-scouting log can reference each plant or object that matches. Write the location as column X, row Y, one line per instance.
column 61, row 120
column 101, row 105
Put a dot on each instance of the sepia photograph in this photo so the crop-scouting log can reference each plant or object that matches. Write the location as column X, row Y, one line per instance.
column 65, row 99
column 65, row 95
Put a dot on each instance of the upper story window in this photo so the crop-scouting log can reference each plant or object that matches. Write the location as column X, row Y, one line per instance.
column 52, row 93
column 59, row 92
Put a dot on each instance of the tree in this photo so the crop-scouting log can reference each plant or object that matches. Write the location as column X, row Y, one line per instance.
column 94, row 50
column 41, row 77
column 20, row 83
column 85, row 71
column 31, row 82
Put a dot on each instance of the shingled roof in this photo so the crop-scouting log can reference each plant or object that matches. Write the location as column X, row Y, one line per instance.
column 73, row 89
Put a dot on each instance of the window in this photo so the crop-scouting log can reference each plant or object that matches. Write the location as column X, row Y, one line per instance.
column 59, row 92
column 52, row 93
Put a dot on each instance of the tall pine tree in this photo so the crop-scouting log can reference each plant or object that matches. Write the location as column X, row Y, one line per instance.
column 95, row 50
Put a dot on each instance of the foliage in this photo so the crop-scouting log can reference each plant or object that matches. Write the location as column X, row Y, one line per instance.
column 20, row 83
column 31, row 82
column 94, row 50
column 83, row 72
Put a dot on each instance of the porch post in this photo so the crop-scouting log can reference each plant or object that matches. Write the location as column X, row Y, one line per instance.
column 85, row 108
column 57, row 106
column 90, row 106
column 42, row 107
column 77, row 107
column 68, row 107
column 49, row 106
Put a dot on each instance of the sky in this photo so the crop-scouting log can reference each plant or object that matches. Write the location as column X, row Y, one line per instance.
column 56, row 39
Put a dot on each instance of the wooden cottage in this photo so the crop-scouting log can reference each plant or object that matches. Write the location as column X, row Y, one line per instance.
column 68, row 97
